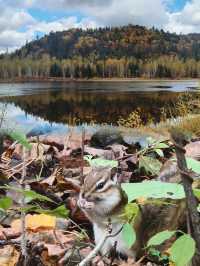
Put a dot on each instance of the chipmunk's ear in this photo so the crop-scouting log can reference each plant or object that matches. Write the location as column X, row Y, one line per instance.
column 113, row 175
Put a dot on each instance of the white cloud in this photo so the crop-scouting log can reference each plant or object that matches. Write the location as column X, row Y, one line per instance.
column 132, row 11
column 11, row 40
column 62, row 24
column 17, row 25
column 115, row 12
column 187, row 20
column 10, row 19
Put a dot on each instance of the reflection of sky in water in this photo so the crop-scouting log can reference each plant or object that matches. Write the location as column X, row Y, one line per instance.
column 17, row 119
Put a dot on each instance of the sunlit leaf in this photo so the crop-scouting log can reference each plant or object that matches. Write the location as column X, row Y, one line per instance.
column 60, row 212
column 193, row 164
column 130, row 211
column 129, row 235
column 32, row 195
column 161, row 145
column 35, row 222
column 99, row 162
column 159, row 238
column 150, row 165
column 21, row 138
column 182, row 250
column 159, row 152
column 153, row 189
column 5, row 203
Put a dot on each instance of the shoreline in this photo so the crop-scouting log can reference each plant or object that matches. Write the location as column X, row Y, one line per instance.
column 68, row 80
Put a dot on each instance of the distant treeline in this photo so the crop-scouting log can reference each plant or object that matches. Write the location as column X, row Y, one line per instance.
column 162, row 67
column 123, row 52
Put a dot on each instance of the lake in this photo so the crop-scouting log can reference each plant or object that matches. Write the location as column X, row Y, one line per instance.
column 52, row 106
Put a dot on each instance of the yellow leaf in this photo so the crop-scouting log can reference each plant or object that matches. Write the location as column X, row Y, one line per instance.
column 141, row 200
column 36, row 222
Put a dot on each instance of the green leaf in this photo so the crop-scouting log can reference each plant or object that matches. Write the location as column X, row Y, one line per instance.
column 32, row 195
column 159, row 152
column 182, row 250
column 99, row 162
column 150, row 165
column 60, row 212
column 193, row 164
column 197, row 192
column 153, row 189
column 28, row 194
column 154, row 252
column 21, row 138
column 130, row 211
column 5, row 203
column 159, row 238
column 161, row 145
column 128, row 234
column 198, row 208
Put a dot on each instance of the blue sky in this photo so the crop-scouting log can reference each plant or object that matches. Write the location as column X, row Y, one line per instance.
column 22, row 20
column 177, row 5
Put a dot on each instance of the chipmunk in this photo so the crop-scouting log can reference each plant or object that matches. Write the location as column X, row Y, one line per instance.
column 102, row 199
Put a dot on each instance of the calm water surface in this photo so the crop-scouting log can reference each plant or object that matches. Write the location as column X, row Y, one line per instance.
column 54, row 106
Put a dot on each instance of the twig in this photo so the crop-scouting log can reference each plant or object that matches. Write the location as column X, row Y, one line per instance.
column 137, row 263
column 98, row 247
column 179, row 140
column 23, row 215
column 57, row 239
column 82, row 153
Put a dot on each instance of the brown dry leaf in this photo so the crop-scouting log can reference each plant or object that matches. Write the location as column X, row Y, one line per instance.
column 9, row 233
column 46, row 259
column 54, row 250
column 106, row 154
column 193, row 150
column 36, row 222
column 75, row 141
column 118, row 150
column 52, row 237
column 51, row 179
column 125, row 177
column 9, row 256
column 130, row 262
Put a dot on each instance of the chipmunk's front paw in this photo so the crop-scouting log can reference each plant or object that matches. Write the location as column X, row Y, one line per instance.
column 84, row 204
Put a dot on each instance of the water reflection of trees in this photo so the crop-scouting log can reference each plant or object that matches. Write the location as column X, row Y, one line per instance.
column 78, row 107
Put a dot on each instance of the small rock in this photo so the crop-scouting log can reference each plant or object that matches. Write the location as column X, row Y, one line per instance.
column 105, row 137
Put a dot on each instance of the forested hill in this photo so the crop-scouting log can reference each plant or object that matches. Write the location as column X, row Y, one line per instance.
column 128, row 51
column 128, row 41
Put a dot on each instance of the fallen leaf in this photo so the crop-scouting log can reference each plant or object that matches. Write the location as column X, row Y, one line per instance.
column 54, row 250
column 118, row 150
column 9, row 233
column 9, row 256
column 105, row 154
column 36, row 222
column 193, row 150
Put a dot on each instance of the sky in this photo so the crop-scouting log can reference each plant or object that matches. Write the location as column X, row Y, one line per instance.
column 23, row 20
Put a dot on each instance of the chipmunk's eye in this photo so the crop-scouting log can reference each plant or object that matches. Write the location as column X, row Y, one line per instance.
column 100, row 185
